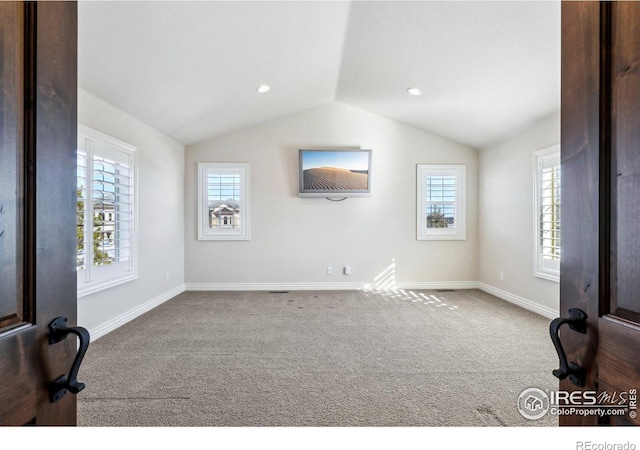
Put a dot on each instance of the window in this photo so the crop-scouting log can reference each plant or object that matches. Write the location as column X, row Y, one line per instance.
column 441, row 202
column 547, row 213
column 106, row 220
column 223, row 199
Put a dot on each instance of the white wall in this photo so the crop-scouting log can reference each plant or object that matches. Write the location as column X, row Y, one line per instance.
column 160, row 172
column 506, row 219
column 293, row 239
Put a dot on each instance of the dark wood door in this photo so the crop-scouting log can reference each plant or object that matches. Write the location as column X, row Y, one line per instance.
column 600, row 270
column 38, row 125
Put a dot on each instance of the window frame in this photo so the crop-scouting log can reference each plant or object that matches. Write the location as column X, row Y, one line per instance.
column 542, row 267
column 94, row 279
column 442, row 234
column 226, row 234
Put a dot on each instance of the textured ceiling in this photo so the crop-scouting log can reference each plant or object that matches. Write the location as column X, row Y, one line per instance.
column 190, row 69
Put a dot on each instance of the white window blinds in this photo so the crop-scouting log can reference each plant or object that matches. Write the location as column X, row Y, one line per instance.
column 547, row 211
column 106, row 211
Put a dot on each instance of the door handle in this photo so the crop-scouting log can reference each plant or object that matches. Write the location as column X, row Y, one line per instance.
column 577, row 321
column 58, row 332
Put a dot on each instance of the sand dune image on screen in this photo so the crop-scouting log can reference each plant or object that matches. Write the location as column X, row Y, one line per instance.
column 332, row 178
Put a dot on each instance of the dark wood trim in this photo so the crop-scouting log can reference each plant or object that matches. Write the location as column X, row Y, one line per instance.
column 55, row 136
column 580, row 141
column 29, row 127
column 607, row 163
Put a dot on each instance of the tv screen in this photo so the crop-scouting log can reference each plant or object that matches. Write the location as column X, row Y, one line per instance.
column 335, row 173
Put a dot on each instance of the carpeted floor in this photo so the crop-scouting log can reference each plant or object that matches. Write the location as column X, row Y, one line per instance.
column 320, row 358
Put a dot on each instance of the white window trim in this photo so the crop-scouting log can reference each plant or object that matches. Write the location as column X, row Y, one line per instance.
column 539, row 269
column 442, row 234
column 204, row 232
column 109, row 275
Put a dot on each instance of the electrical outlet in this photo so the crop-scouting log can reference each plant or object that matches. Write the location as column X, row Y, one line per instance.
column 347, row 270
column 329, row 270
column 167, row 276
column 501, row 276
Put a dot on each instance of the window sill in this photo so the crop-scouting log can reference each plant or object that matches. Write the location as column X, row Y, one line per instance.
column 442, row 237
column 94, row 287
column 548, row 276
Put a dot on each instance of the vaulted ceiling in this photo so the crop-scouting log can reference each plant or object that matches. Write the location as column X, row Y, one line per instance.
column 190, row 69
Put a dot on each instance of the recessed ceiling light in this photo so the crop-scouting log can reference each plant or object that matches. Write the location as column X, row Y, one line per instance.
column 414, row 91
column 263, row 88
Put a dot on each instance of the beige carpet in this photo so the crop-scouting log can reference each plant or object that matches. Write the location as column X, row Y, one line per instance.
column 320, row 358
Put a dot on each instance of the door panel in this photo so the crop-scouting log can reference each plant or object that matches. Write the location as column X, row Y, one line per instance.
column 625, row 150
column 18, row 370
column 38, row 124
column 11, row 155
column 619, row 370
column 17, row 334
column 600, row 271
column 619, row 326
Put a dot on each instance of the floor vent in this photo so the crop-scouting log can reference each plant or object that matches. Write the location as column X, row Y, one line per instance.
column 279, row 292
column 445, row 290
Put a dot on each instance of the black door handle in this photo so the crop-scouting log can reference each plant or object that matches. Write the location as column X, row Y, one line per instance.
column 58, row 332
column 577, row 321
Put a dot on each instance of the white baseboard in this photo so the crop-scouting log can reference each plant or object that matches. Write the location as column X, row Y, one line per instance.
column 439, row 285
column 520, row 301
column 275, row 286
column 117, row 322
column 325, row 286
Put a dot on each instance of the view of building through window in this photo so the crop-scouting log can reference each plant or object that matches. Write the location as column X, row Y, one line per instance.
column 223, row 199
column 223, row 193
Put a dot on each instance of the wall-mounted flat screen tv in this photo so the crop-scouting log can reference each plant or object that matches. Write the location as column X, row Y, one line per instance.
column 334, row 173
